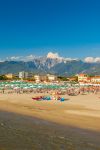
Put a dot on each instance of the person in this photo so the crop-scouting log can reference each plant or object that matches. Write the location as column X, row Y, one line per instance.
column 3, row 90
column 62, row 99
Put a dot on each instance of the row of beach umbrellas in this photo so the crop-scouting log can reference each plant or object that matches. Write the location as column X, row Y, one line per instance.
column 26, row 85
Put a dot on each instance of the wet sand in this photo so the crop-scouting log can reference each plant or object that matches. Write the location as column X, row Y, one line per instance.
column 44, row 125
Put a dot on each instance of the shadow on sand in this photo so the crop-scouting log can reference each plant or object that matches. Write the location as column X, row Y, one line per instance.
column 19, row 132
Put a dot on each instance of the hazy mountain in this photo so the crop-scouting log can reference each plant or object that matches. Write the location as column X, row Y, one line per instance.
column 51, row 63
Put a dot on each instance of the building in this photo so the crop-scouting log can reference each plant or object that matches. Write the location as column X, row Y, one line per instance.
column 51, row 77
column 43, row 78
column 83, row 78
column 40, row 78
column 95, row 79
column 23, row 75
column 72, row 78
column 30, row 75
column 9, row 76
column 37, row 78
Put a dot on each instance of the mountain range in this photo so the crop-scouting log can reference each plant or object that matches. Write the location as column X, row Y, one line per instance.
column 52, row 64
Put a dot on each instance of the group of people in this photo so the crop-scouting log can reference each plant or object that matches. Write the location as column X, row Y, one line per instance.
column 48, row 98
column 68, row 90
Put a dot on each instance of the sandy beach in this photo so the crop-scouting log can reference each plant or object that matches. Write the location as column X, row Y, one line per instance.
column 78, row 116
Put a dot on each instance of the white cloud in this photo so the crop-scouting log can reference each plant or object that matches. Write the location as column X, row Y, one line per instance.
column 14, row 58
column 53, row 55
column 20, row 58
column 92, row 59
column 29, row 58
column 89, row 59
column 97, row 59
column 61, row 59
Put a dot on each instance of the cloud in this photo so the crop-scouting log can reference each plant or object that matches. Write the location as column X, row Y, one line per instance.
column 61, row 59
column 97, row 59
column 92, row 59
column 13, row 58
column 31, row 57
column 53, row 55
column 89, row 59
column 21, row 58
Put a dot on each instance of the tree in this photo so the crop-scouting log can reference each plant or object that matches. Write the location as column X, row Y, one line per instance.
column 62, row 78
column 3, row 77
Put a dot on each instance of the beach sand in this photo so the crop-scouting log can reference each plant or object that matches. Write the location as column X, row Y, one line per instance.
column 27, row 124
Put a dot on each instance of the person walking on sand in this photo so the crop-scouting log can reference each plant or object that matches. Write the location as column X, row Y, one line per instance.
column 3, row 90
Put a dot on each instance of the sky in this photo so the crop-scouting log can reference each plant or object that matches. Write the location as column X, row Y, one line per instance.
column 68, row 27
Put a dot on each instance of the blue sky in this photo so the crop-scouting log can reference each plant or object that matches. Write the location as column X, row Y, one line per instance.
column 69, row 27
